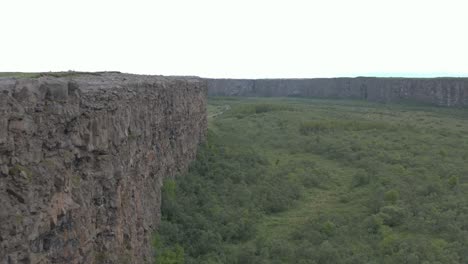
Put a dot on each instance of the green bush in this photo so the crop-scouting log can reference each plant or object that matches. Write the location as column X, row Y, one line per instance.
column 392, row 196
column 392, row 215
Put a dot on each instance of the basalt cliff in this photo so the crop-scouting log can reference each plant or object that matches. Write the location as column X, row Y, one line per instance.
column 435, row 91
column 82, row 160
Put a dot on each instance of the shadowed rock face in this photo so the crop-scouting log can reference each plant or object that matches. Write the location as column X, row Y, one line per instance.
column 437, row 91
column 82, row 160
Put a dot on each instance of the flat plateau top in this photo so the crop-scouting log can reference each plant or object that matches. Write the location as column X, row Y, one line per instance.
column 88, row 80
column 75, row 74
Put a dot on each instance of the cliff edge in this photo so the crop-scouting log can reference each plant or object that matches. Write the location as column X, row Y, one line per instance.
column 82, row 160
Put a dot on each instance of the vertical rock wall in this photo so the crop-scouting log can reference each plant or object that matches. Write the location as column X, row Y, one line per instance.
column 437, row 91
column 82, row 160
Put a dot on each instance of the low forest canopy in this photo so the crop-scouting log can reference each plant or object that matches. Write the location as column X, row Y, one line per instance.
column 286, row 180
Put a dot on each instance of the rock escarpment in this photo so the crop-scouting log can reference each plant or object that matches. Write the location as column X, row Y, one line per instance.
column 82, row 160
column 437, row 91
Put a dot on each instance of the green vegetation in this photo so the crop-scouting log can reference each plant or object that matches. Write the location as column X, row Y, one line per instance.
column 42, row 74
column 321, row 181
column 20, row 74
column 17, row 170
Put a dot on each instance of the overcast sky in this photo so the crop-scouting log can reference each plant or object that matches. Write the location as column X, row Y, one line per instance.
column 237, row 38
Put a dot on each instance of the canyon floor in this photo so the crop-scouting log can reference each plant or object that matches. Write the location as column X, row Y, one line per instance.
column 288, row 180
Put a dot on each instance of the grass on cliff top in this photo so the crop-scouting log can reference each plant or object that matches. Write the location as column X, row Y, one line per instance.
column 43, row 74
column 20, row 74
column 321, row 181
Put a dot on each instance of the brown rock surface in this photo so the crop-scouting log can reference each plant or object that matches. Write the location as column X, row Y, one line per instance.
column 82, row 160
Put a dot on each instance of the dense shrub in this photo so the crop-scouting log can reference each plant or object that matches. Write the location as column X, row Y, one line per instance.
column 316, row 181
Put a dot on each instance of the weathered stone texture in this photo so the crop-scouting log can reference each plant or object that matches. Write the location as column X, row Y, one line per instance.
column 82, row 160
column 437, row 91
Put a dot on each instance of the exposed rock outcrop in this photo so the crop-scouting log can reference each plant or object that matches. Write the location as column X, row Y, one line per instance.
column 437, row 91
column 82, row 160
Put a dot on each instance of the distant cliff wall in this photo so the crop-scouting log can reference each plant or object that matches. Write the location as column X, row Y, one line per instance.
column 82, row 160
column 437, row 91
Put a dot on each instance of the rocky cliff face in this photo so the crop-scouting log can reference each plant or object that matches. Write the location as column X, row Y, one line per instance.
column 82, row 160
column 438, row 91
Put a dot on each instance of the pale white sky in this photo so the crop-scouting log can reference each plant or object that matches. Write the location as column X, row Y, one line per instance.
column 237, row 38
